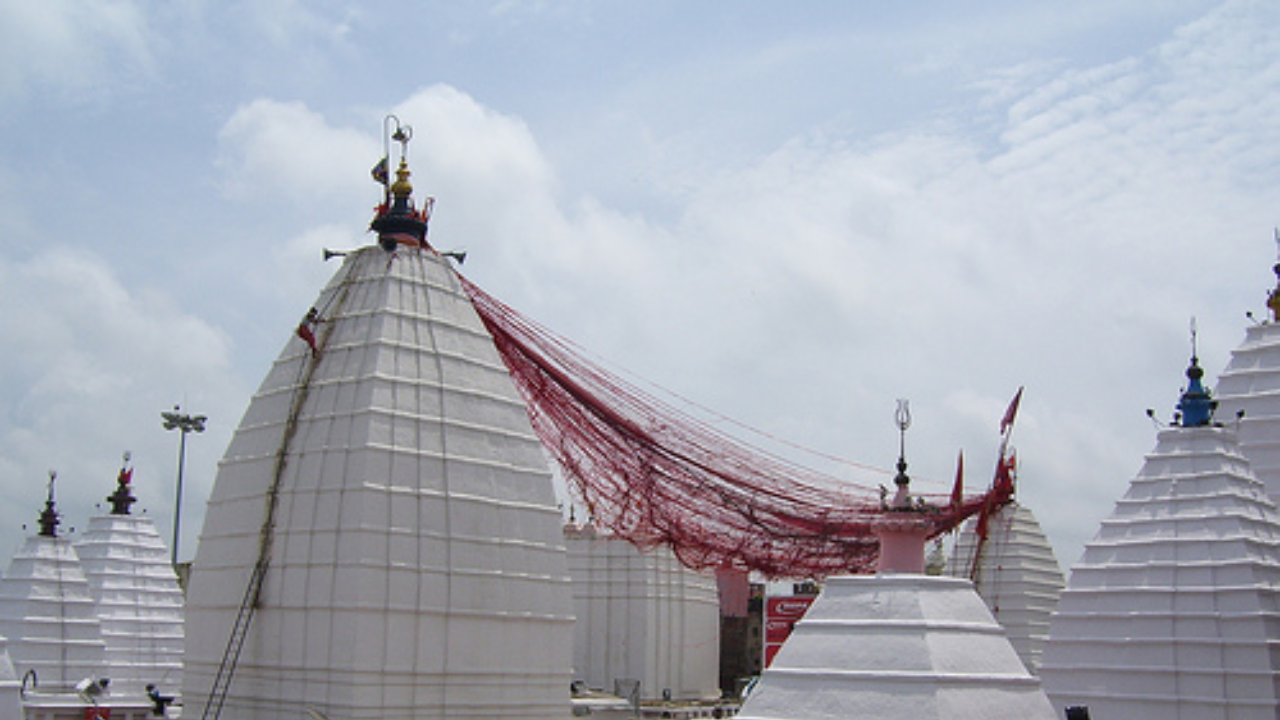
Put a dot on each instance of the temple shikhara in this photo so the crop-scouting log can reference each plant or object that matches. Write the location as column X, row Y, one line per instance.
column 1173, row 609
column 94, row 626
column 388, row 538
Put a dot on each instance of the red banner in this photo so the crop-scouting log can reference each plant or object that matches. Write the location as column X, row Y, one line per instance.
column 781, row 613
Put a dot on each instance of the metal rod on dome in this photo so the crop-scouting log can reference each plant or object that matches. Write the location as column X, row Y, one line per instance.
column 902, row 418
column 1194, row 349
column 184, row 423
column 386, row 154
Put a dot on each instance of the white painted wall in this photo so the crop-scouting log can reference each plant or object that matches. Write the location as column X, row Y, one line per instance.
column 642, row 616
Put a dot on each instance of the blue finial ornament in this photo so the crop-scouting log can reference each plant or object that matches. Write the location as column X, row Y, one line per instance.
column 1196, row 406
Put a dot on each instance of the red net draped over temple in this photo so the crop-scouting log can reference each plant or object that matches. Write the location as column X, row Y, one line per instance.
column 655, row 475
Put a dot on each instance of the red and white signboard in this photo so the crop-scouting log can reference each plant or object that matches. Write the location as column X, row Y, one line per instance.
column 781, row 613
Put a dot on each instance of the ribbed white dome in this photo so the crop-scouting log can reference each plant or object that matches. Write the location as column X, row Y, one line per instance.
column 1251, row 382
column 1173, row 609
column 417, row 568
column 129, row 573
column 49, row 616
column 1017, row 575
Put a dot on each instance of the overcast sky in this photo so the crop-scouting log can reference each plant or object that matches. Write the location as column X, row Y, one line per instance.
column 791, row 213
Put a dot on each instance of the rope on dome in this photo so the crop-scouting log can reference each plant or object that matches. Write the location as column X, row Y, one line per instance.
column 252, row 593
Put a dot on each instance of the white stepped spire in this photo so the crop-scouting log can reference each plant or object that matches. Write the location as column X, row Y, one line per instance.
column 415, row 561
column 47, row 611
column 1249, row 394
column 1016, row 573
column 1172, row 609
column 126, row 564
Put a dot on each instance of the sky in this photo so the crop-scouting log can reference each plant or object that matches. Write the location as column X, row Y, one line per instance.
column 792, row 214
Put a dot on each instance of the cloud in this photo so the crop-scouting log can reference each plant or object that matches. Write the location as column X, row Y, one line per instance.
column 831, row 276
column 100, row 359
column 71, row 48
column 270, row 150
column 804, row 286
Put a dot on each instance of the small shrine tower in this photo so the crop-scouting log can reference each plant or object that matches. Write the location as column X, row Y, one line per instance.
column 47, row 610
column 1248, row 393
column 899, row 645
column 1172, row 609
column 127, row 566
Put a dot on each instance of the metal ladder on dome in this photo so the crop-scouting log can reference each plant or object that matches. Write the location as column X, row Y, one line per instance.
column 252, row 593
column 231, row 656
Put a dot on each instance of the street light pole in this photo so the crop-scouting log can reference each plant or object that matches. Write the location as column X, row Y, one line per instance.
column 176, row 420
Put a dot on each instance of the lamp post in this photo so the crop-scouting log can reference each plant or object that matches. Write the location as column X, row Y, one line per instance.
column 176, row 420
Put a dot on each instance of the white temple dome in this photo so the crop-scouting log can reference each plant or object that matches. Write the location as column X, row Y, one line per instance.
column 1250, row 384
column 416, row 563
column 1016, row 573
column 47, row 611
column 128, row 570
column 1172, row 609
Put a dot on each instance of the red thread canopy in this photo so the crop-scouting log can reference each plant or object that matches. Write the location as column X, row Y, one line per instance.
column 655, row 475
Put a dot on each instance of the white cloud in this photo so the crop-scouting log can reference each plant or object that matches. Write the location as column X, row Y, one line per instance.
column 68, row 46
column 1056, row 232
column 270, row 150
column 808, row 289
column 99, row 360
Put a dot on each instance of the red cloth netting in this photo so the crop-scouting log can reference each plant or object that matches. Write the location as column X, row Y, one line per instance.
column 655, row 475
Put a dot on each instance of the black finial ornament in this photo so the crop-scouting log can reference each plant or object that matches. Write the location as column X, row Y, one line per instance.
column 397, row 221
column 123, row 497
column 49, row 517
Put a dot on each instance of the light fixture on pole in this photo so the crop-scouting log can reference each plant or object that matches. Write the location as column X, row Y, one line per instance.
column 176, row 420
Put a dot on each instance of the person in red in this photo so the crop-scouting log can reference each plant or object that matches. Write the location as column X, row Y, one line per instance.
column 307, row 333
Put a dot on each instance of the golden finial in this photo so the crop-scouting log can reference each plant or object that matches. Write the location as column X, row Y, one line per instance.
column 402, row 187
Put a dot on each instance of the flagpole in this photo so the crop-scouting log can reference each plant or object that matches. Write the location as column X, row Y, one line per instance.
column 386, row 157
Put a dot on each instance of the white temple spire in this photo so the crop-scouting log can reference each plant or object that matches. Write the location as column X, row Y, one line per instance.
column 382, row 539
column 1171, row 611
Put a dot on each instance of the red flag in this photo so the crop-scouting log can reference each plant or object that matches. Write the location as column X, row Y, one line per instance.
column 983, row 520
column 1001, row 492
column 126, row 475
column 1005, row 471
column 957, row 490
column 1010, row 413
